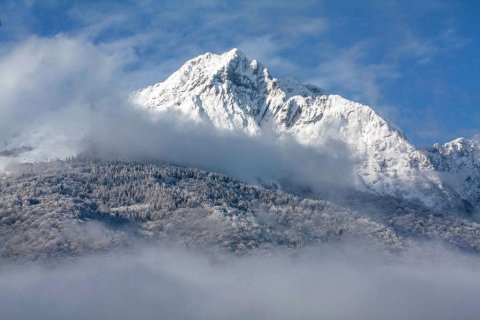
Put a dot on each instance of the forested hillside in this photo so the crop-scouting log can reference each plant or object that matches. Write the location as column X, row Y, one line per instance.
column 84, row 205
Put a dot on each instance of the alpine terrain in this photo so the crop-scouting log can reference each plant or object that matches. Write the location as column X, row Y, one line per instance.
column 398, row 193
column 233, row 92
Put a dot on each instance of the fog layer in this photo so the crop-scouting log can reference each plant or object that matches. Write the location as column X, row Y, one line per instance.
column 318, row 283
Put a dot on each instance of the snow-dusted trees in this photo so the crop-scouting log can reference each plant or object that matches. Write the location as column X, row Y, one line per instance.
column 84, row 205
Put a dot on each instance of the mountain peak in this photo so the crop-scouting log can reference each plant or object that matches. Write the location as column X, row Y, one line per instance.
column 235, row 52
column 458, row 145
column 233, row 92
column 213, row 62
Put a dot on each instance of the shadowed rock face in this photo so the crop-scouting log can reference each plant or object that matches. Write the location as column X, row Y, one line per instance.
column 82, row 206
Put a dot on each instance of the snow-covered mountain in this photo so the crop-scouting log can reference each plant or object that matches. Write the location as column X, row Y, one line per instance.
column 458, row 162
column 91, row 204
column 236, row 93
column 233, row 93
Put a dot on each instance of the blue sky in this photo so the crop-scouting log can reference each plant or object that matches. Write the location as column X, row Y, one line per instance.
column 415, row 62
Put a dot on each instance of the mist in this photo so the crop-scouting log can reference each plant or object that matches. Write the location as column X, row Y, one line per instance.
column 321, row 282
column 67, row 97
column 266, row 159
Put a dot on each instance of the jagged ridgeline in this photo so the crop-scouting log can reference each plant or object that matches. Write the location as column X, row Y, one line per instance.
column 233, row 92
column 84, row 205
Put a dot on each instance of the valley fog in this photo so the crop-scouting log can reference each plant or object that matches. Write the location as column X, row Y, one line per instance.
column 325, row 281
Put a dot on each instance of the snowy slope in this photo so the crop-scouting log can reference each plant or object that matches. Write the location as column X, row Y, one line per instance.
column 458, row 162
column 236, row 93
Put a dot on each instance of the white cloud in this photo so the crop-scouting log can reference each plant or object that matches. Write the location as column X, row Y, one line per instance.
column 44, row 76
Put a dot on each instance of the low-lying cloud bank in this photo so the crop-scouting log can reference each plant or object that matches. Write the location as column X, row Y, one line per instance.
column 325, row 282
column 63, row 96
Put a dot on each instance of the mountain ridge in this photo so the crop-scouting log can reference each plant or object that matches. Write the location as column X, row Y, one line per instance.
column 236, row 93
column 230, row 92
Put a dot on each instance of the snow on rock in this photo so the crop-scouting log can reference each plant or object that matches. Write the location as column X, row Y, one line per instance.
column 235, row 93
column 458, row 162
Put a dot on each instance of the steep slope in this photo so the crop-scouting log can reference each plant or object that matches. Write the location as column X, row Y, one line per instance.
column 235, row 93
column 228, row 90
column 458, row 162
